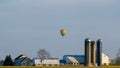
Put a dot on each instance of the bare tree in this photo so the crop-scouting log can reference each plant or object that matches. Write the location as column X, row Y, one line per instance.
column 42, row 53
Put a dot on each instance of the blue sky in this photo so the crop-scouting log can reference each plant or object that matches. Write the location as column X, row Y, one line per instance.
column 29, row 25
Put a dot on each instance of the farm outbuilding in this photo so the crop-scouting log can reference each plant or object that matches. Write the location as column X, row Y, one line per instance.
column 51, row 62
column 37, row 61
column 46, row 62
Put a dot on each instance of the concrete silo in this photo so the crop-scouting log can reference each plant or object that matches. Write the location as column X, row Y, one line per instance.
column 99, row 52
column 87, row 52
column 93, row 53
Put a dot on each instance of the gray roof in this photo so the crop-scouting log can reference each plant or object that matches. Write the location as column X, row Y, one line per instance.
column 74, row 58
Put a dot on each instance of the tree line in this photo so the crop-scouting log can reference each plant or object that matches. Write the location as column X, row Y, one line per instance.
column 42, row 54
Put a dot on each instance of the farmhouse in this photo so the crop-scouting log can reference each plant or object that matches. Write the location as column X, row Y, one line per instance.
column 22, row 60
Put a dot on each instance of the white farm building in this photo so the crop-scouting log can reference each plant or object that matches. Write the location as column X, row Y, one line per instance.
column 46, row 62
column 51, row 62
column 105, row 59
column 37, row 61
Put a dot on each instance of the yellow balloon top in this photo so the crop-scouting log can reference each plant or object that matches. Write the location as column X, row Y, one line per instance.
column 63, row 32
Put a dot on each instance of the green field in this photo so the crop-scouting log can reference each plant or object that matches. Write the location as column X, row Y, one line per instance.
column 57, row 67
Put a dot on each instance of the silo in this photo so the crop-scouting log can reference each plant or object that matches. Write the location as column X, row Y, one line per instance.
column 87, row 52
column 93, row 53
column 99, row 52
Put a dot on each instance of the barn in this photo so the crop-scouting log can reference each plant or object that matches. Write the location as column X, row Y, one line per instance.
column 80, row 59
column 74, row 59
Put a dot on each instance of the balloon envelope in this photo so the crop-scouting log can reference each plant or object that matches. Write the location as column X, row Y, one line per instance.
column 63, row 32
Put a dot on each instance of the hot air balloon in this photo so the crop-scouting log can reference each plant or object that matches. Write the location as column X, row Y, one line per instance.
column 63, row 32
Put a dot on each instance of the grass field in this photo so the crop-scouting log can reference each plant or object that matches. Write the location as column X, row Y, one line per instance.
column 57, row 67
